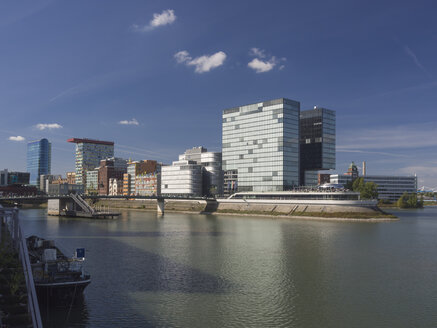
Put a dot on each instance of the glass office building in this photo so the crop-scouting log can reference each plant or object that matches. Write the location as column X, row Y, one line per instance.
column 89, row 153
column 39, row 159
column 260, row 143
column 317, row 143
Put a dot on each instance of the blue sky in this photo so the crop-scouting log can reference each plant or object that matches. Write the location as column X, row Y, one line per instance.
column 79, row 68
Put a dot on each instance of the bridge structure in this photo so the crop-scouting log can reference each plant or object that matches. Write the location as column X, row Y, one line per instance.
column 75, row 204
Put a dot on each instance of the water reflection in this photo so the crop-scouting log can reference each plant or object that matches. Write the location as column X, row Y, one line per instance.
column 211, row 271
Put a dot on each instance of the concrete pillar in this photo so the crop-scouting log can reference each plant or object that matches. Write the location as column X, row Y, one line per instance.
column 160, row 206
column 54, row 207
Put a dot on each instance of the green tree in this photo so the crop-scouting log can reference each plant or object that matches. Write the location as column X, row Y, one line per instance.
column 369, row 191
column 358, row 184
column 409, row 201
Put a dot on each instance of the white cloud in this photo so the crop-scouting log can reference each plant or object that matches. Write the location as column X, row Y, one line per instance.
column 17, row 138
column 256, row 52
column 50, row 126
column 203, row 63
column 344, row 150
column 260, row 66
column 423, row 171
column 131, row 122
column 165, row 18
column 416, row 61
column 182, row 56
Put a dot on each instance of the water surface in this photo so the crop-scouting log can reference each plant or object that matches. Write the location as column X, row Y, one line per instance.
column 223, row 271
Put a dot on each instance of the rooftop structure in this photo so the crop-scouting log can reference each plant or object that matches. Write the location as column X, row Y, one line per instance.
column 90, row 141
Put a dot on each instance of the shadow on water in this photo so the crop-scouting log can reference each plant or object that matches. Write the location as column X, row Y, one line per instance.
column 137, row 270
column 75, row 314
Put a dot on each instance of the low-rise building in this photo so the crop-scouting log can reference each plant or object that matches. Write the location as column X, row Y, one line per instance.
column 110, row 168
column 135, row 169
column 230, row 182
column 148, row 184
column 212, row 174
column 182, row 178
column 390, row 187
column 71, row 177
column 46, row 179
column 115, row 187
column 126, row 184
column 14, row 178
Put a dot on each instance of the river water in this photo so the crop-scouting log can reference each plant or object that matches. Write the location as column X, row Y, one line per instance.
column 226, row 271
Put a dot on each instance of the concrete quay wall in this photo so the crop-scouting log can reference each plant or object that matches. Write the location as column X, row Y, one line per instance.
column 202, row 206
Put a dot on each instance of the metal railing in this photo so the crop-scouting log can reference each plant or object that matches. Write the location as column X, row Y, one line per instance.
column 9, row 219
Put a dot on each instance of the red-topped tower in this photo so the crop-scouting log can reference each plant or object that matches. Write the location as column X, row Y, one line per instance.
column 89, row 153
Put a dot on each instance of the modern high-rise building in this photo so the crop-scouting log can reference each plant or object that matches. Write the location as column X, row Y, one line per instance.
column 317, row 143
column 89, row 153
column 39, row 159
column 261, row 145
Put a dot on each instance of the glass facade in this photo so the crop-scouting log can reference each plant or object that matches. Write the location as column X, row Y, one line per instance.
column 317, row 143
column 39, row 159
column 88, row 157
column 92, row 181
column 261, row 142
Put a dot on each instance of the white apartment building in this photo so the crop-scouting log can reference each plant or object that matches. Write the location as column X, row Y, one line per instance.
column 183, row 177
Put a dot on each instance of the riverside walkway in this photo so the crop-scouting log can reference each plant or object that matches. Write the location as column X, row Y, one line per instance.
column 14, row 261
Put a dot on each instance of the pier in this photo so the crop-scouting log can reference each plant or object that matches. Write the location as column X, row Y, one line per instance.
column 76, row 206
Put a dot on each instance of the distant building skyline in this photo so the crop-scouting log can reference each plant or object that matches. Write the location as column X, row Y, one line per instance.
column 156, row 91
